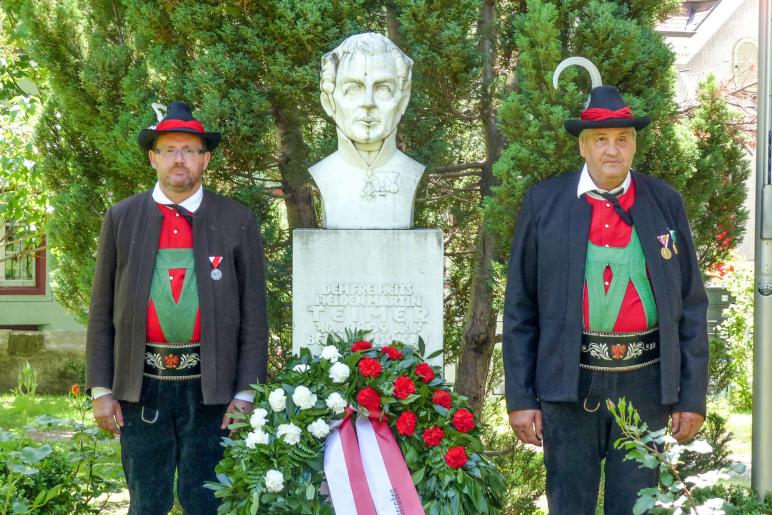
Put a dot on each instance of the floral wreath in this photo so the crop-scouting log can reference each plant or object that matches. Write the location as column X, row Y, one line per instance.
column 274, row 460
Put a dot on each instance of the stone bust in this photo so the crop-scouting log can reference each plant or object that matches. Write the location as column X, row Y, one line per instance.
column 367, row 183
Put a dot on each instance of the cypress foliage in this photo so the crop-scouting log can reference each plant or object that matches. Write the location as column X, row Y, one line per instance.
column 717, row 191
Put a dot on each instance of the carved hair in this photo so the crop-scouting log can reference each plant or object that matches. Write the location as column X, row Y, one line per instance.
column 371, row 44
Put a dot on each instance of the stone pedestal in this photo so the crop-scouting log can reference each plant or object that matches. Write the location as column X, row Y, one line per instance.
column 387, row 281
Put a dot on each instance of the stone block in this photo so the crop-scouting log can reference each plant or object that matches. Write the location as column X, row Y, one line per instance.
column 25, row 344
column 389, row 282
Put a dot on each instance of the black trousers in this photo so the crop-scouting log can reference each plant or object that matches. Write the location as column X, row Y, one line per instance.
column 576, row 441
column 170, row 430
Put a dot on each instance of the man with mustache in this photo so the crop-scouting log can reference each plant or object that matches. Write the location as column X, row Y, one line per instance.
column 178, row 326
column 604, row 300
column 368, row 183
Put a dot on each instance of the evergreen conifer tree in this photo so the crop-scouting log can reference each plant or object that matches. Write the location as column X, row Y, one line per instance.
column 715, row 195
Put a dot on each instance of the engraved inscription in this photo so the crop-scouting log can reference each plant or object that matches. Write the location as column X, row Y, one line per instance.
column 390, row 311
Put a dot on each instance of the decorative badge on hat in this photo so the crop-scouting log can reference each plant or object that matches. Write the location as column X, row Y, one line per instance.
column 177, row 118
column 605, row 107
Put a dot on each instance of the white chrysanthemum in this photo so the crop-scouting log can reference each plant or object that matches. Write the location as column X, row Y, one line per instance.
column 339, row 372
column 319, row 428
column 301, row 367
column 336, row 403
column 330, row 353
column 274, row 481
column 303, row 398
column 278, row 400
column 290, row 433
column 258, row 418
column 257, row 437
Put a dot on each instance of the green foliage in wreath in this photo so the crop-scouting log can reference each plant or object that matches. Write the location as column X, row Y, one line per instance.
column 273, row 462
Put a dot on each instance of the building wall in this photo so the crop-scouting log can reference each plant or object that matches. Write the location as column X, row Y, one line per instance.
column 37, row 310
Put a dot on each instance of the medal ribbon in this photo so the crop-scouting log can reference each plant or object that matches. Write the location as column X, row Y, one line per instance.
column 215, row 260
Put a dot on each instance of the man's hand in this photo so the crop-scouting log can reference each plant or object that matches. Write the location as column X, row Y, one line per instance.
column 108, row 414
column 236, row 406
column 686, row 424
column 527, row 426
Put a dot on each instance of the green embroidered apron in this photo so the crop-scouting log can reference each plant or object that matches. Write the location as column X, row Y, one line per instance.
column 627, row 264
column 177, row 319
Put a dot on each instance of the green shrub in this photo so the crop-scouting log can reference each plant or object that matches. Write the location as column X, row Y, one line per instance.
column 715, row 432
column 522, row 468
column 64, row 477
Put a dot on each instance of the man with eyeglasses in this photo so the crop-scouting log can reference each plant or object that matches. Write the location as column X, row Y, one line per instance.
column 177, row 326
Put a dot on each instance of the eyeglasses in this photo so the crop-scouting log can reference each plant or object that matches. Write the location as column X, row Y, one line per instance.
column 171, row 152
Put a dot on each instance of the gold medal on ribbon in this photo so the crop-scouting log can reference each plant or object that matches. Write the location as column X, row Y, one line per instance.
column 675, row 249
column 666, row 253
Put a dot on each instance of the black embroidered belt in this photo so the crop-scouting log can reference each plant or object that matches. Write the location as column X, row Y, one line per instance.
column 173, row 361
column 619, row 352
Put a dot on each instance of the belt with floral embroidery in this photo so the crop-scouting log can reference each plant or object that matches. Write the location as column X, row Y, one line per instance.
column 173, row 361
column 619, row 352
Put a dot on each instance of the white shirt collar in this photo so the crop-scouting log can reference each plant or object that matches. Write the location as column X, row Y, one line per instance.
column 587, row 185
column 192, row 203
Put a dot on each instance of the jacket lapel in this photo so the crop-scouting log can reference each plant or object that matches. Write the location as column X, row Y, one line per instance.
column 578, row 234
column 205, row 289
column 649, row 224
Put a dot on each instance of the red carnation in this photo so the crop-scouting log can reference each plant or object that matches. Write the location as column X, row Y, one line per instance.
column 456, row 457
column 368, row 398
column 370, row 367
column 425, row 372
column 361, row 345
column 403, row 387
column 391, row 352
column 442, row 398
column 433, row 436
column 463, row 420
column 406, row 423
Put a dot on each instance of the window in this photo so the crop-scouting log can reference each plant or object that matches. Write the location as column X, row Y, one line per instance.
column 21, row 272
column 745, row 64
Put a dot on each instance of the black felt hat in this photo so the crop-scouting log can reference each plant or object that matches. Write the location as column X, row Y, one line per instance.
column 178, row 119
column 606, row 110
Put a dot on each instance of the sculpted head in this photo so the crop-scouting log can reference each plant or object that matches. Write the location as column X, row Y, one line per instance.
column 365, row 85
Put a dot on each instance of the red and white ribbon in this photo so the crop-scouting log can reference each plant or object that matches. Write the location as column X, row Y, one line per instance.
column 366, row 472
column 390, row 482
column 345, row 473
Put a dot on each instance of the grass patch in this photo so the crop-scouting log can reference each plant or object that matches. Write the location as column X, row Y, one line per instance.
column 16, row 412
column 741, row 424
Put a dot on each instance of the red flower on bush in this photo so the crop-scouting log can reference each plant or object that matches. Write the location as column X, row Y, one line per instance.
column 391, row 352
column 463, row 420
column 171, row 361
column 442, row 398
column 425, row 372
column 368, row 398
column 75, row 389
column 456, row 457
column 406, row 423
column 403, row 387
column 370, row 367
column 433, row 436
column 361, row 345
